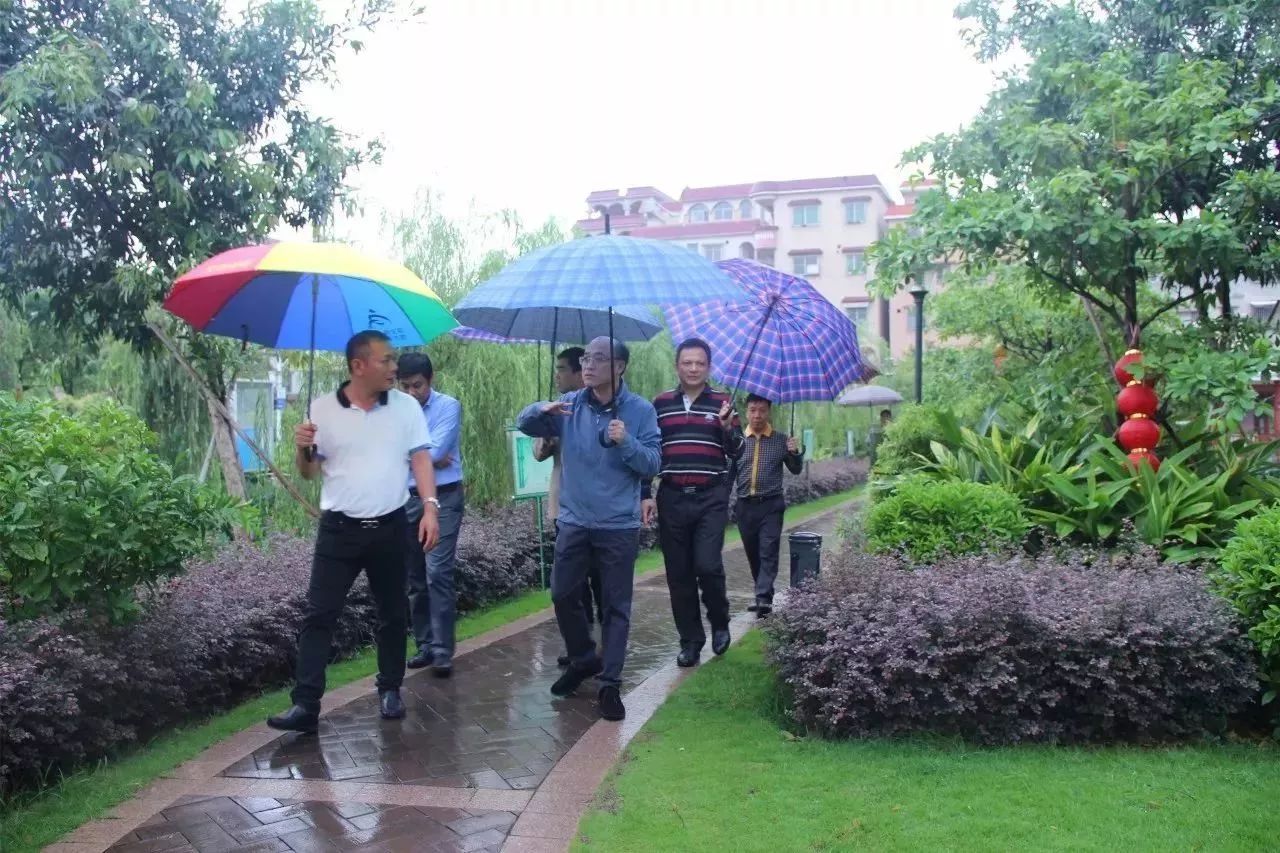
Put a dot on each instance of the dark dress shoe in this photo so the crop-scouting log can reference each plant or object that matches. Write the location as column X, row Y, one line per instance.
column 573, row 677
column 763, row 607
column 688, row 656
column 442, row 670
column 610, row 701
column 390, row 705
column 419, row 660
column 562, row 661
column 296, row 719
column 720, row 641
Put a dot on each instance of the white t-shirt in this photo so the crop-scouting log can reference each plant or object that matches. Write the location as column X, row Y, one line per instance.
column 364, row 456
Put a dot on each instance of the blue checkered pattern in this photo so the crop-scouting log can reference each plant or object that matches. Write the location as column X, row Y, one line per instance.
column 598, row 272
column 562, row 325
column 804, row 347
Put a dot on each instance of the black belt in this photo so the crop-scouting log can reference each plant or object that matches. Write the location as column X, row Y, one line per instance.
column 344, row 520
column 759, row 499
column 440, row 490
column 693, row 490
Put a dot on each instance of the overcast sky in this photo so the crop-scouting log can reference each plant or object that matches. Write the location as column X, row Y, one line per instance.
column 531, row 104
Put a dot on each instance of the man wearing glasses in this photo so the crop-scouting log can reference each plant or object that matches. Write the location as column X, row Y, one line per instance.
column 609, row 442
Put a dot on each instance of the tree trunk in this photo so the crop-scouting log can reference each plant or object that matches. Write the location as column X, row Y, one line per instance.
column 224, row 443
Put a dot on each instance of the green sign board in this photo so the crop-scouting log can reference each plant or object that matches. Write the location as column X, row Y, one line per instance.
column 532, row 478
column 806, row 439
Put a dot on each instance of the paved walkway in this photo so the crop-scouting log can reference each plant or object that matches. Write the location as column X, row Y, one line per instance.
column 486, row 761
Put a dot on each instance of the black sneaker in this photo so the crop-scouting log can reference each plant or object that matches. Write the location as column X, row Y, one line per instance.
column 611, row 704
column 573, row 677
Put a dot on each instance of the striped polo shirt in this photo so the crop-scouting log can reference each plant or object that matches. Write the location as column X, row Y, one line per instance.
column 695, row 448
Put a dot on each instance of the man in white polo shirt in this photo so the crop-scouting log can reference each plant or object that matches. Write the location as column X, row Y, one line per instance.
column 363, row 440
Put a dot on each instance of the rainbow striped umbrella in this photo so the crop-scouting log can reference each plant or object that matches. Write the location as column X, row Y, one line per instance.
column 307, row 296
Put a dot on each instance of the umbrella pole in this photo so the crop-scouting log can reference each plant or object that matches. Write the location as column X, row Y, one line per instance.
column 764, row 321
column 613, row 375
column 792, row 432
column 311, row 360
column 555, row 332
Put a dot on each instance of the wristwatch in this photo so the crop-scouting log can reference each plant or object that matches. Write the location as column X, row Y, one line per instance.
column 433, row 501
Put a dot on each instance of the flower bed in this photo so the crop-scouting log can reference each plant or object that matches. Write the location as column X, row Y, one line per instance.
column 1070, row 649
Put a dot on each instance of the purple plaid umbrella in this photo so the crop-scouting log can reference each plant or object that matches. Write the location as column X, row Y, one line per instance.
column 788, row 343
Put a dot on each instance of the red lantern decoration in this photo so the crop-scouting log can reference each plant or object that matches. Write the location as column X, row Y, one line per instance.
column 1137, row 457
column 1139, row 432
column 1123, row 376
column 1137, row 399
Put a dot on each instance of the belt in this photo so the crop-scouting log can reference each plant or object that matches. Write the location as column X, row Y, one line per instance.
column 692, row 490
column 759, row 499
column 344, row 520
column 440, row 490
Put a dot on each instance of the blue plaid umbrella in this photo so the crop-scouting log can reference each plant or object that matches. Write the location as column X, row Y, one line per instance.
column 786, row 343
column 602, row 273
column 556, row 324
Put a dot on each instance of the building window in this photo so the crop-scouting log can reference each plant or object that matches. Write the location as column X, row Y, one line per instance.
column 804, row 215
column 805, row 264
column 857, row 314
column 855, row 263
column 698, row 213
column 1263, row 311
column 744, row 210
column 722, row 211
column 712, row 251
column 855, row 212
column 748, row 251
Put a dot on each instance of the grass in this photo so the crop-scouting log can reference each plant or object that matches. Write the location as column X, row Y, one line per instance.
column 717, row 767
column 33, row 821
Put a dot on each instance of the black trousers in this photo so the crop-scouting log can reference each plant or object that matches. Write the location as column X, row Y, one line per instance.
column 691, row 532
column 760, row 523
column 612, row 555
column 345, row 547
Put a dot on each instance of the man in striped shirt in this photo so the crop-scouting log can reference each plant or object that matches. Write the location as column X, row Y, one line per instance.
column 700, row 433
column 760, row 496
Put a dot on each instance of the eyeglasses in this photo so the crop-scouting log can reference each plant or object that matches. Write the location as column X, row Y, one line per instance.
column 590, row 358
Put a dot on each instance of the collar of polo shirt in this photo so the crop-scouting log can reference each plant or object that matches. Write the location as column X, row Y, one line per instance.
column 345, row 401
column 764, row 433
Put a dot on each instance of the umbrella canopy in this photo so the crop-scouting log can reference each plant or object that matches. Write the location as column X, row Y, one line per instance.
column 603, row 272
column 468, row 333
column 786, row 342
column 307, row 296
column 869, row 395
column 559, row 324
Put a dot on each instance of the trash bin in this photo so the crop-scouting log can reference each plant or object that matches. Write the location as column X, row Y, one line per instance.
column 806, row 555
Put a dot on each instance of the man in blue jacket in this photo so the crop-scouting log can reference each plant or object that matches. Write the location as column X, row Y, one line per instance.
column 609, row 442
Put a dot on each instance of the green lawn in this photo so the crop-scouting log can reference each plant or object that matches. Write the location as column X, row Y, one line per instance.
column 716, row 768
column 30, row 823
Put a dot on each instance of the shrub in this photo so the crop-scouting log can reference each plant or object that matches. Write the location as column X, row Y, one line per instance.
column 1248, row 577
column 905, row 439
column 89, row 511
column 927, row 519
column 1069, row 649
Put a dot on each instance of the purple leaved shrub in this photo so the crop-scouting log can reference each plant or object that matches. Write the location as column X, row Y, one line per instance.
column 1071, row 648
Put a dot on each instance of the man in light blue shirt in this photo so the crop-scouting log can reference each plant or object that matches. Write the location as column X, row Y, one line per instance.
column 433, row 606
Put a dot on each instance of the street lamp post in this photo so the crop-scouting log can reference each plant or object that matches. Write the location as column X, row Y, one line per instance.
column 918, row 292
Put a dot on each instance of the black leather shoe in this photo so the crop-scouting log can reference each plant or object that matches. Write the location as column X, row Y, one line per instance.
column 763, row 610
column 390, row 705
column 442, row 670
column 574, row 676
column 419, row 660
column 689, row 655
column 296, row 719
column 610, row 702
column 562, row 661
column 720, row 641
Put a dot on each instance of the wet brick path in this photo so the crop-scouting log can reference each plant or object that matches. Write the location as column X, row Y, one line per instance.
column 493, row 726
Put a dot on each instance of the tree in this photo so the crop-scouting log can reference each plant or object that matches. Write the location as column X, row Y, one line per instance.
column 1137, row 147
column 138, row 138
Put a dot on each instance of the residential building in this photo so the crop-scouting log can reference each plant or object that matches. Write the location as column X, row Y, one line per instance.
column 817, row 228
